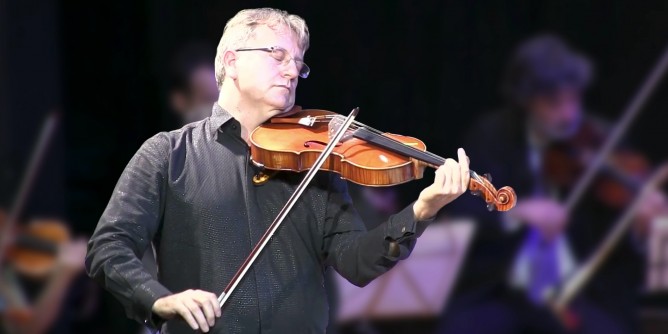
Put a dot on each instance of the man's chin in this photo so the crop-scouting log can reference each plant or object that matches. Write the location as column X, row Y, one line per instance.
column 280, row 108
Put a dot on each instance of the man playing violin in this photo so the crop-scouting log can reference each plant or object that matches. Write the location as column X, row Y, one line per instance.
column 519, row 256
column 190, row 192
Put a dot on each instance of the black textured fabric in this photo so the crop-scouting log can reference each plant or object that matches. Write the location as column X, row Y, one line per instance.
column 190, row 191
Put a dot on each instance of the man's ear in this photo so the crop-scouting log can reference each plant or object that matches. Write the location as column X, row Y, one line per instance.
column 230, row 63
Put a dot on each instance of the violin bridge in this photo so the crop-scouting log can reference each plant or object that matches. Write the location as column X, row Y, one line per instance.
column 307, row 121
column 335, row 124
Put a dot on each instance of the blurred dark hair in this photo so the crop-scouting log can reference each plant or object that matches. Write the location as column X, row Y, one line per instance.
column 541, row 66
column 187, row 60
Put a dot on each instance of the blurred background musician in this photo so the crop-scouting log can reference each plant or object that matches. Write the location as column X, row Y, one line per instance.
column 42, row 266
column 516, row 258
column 193, row 88
column 42, row 289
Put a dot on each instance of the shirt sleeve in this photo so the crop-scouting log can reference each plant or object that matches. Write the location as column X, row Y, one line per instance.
column 126, row 230
column 360, row 255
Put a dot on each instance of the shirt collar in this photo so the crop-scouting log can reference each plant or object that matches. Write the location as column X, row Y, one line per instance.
column 219, row 116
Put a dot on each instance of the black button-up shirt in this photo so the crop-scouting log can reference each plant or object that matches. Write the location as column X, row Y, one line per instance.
column 190, row 192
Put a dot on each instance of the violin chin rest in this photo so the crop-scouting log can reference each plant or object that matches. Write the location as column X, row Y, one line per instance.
column 294, row 110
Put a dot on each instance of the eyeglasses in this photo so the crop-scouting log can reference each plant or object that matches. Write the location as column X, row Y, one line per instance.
column 283, row 56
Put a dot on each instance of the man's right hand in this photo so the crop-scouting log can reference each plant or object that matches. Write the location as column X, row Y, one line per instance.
column 198, row 308
column 547, row 215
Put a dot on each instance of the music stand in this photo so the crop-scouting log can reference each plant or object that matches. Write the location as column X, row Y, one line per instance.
column 417, row 287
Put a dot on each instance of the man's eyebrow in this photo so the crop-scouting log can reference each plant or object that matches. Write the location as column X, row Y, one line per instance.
column 300, row 58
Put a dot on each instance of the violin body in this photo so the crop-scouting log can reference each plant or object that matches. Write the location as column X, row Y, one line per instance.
column 33, row 250
column 295, row 147
column 365, row 156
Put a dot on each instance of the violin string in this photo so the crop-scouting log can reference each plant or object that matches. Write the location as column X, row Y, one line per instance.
column 376, row 132
column 356, row 125
column 416, row 153
column 473, row 174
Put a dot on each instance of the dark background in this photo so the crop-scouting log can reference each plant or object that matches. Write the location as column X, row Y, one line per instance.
column 426, row 69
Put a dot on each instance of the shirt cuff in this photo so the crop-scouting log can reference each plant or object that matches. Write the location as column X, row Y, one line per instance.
column 403, row 225
column 146, row 295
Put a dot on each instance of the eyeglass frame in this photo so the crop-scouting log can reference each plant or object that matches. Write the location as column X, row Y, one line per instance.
column 304, row 71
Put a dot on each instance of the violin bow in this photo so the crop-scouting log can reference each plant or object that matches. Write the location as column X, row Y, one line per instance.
column 577, row 281
column 630, row 113
column 240, row 274
column 48, row 129
column 560, row 298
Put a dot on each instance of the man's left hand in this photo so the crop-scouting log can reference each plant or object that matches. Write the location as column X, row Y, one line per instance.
column 451, row 180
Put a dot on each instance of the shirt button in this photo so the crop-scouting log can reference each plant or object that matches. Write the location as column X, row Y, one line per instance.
column 403, row 229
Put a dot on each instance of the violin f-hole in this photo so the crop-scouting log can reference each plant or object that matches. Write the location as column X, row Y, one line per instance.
column 308, row 143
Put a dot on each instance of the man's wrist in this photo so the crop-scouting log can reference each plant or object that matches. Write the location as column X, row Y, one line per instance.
column 421, row 213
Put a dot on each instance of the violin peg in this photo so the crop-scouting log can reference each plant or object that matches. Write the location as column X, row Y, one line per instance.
column 488, row 176
column 490, row 207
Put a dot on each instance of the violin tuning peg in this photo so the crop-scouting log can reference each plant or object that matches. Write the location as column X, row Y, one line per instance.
column 490, row 207
column 488, row 176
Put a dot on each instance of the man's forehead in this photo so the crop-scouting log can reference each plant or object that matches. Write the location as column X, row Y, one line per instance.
column 278, row 35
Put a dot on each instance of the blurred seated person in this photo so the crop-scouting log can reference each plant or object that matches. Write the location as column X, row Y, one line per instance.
column 193, row 83
column 36, row 287
column 517, row 257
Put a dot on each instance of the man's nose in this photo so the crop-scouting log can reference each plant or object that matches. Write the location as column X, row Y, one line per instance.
column 290, row 69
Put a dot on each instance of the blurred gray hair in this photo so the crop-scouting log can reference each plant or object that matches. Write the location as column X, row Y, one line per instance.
column 542, row 65
column 241, row 27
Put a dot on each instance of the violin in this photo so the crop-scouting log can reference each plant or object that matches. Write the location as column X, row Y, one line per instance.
column 620, row 176
column 33, row 249
column 365, row 155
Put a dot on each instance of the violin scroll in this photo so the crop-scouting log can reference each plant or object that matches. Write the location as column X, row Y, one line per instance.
column 503, row 199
